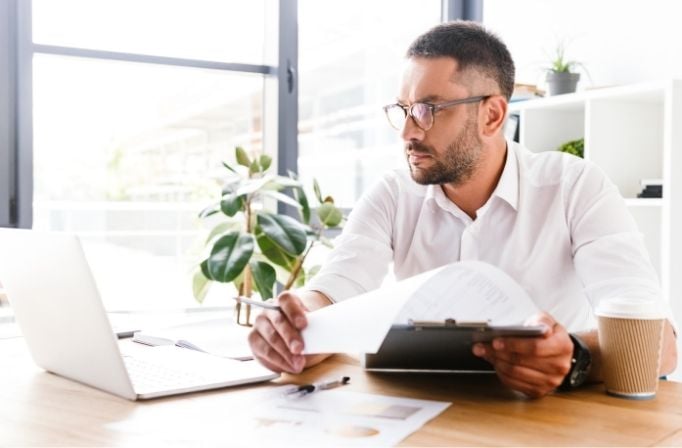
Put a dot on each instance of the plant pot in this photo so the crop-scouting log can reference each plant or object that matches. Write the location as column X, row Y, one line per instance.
column 559, row 83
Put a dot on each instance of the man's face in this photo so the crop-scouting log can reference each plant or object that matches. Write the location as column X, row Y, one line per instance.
column 450, row 151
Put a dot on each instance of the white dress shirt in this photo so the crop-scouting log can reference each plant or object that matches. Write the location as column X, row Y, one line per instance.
column 554, row 223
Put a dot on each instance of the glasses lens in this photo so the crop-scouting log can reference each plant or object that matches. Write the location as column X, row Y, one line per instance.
column 396, row 115
column 422, row 115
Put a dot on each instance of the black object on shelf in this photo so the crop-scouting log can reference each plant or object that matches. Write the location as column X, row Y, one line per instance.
column 651, row 191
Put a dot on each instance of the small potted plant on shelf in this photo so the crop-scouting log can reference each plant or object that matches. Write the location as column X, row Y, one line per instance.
column 254, row 248
column 575, row 147
column 561, row 77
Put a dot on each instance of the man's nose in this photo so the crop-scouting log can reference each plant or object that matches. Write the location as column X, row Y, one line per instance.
column 410, row 131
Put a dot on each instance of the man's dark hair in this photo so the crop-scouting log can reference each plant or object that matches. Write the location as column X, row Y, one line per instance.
column 473, row 47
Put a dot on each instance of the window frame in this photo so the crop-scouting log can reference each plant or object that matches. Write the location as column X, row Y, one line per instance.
column 8, row 99
column 16, row 118
column 16, row 91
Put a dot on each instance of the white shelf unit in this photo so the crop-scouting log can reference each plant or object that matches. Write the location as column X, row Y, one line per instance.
column 632, row 133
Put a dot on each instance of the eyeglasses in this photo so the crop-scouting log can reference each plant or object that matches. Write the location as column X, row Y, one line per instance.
column 422, row 113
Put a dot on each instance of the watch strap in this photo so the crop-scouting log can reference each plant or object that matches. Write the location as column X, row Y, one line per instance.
column 581, row 361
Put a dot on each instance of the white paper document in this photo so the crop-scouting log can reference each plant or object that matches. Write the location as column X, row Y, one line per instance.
column 464, row 291
column 220, row 337
column 337, row 418
column 266, row 417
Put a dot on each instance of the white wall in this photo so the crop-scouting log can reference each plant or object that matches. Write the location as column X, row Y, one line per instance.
column 619, row 41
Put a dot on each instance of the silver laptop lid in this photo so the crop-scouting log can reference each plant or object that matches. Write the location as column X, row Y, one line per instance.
column 58, row 308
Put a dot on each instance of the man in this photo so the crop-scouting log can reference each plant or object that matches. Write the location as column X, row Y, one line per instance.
column 551, row 221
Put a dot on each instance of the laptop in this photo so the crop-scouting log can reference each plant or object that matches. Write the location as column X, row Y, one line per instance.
column 58, row 308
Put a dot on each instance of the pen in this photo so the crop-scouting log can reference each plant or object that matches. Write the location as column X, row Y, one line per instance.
column 305, row 389
column 259, row 303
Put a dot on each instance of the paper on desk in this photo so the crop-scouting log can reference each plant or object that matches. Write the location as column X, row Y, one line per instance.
column 337, row 418
column 221, row 337
column 264, row 417
column 465, row 291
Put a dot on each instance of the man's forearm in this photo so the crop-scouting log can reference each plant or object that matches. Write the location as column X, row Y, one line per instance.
column 314, row 300
column 668, row 352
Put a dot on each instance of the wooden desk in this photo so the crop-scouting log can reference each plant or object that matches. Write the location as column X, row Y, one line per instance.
column 38, row 408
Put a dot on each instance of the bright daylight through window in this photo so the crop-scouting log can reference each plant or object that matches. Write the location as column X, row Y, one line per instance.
column 127, row 153
column 351, row 60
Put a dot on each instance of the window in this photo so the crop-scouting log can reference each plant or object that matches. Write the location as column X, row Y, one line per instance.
column 350, row 67
column 218, row 30
column 126, row 153
column 135, row 103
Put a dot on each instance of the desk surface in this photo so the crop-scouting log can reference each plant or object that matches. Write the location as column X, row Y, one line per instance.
column 38, row 408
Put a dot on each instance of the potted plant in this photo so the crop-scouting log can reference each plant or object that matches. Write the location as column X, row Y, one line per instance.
column 560, row 75
column 254, row 248
column 575, row 147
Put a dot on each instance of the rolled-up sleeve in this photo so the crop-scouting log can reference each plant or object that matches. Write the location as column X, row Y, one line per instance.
column 609, row 251
column 362, row 254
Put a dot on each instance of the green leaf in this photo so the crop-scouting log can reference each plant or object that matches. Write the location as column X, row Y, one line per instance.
column 204, row 269
column 229, row 256
column 254, row 167
column 242, row 157
column 312, row 272
column 221, row 228
column 306, row 275
column 265, row 162
column 281, row 197
column 287, row 182
column 316, row 189
column 208, row 211
column 575, row 147
column 273, row 252
column 200, row 286
column 229, row 167
column 231, row 204
column 329, row 215
column 264, row 278
column 304, row 209
column 231, row 185
column 284, row 231
column 327, row 242
column 279, row 183
column 252, row 185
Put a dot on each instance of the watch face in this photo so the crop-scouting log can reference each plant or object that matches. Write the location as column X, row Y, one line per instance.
column 580, row 367
column 579, row 375
column 583, row 360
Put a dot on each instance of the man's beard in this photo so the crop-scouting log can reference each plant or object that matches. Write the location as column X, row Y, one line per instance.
column 458, row 164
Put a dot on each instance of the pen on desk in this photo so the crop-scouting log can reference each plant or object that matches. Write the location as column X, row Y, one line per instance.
column 259, row 303
column 305, row 389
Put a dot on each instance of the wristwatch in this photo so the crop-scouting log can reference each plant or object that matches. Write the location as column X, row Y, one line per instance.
column 580, row 365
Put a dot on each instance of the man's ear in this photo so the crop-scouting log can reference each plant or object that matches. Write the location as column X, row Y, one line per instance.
column 494, row 112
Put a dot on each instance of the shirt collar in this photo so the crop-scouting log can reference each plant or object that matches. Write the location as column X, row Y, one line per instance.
column 507, row 187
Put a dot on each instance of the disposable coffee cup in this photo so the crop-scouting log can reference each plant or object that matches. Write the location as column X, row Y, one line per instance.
column 630, row 341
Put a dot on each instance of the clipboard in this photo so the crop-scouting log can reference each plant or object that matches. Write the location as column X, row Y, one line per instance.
column 440, row 346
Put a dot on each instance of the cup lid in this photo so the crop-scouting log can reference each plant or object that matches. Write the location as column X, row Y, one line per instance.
column 631, row 308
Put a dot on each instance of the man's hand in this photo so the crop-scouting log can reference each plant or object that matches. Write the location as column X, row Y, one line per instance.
column 276, row 336
column 276, row 340
column 534, row 366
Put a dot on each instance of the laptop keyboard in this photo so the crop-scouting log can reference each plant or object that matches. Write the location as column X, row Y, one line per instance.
column 151, row 376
